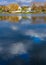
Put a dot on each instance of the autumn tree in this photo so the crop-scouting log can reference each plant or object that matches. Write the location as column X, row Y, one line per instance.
column 13, row 7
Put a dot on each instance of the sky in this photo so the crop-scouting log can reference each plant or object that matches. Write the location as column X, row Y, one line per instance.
column 24, row 2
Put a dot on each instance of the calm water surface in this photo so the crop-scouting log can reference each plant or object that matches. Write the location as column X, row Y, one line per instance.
column 23, row 40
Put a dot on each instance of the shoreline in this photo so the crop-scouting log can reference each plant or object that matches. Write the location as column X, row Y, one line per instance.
column 21, row 14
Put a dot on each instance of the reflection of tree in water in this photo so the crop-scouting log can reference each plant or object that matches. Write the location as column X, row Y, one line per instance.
column 34, row 19
column 38, row 19
column 44, row 18
column 4, row 17
column 11, row 18
column 14, row 18
column 0, row 17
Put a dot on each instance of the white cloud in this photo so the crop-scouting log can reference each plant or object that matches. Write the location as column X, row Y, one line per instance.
column 25, row 22
column 35, row 34
column 17, row 48
column 25, row 0
column 14, row 27
column 3, row 2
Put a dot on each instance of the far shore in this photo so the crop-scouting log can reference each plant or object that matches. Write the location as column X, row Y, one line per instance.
column 22, row 14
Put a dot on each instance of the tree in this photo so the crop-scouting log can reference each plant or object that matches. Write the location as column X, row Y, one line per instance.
column 13, row 7
column 0, row 9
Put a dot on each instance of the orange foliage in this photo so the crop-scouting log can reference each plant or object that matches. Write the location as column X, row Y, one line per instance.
column 13, row 7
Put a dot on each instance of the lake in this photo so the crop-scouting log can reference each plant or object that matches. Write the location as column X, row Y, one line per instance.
column 23, row 39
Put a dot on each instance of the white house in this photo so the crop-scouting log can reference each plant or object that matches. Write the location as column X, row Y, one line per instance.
column 19, row 10
column 29, row 9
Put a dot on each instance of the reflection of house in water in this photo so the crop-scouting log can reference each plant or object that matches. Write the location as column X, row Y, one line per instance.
column 26, row 9
column 25, row 20
column 30, row 18
column 27, row 17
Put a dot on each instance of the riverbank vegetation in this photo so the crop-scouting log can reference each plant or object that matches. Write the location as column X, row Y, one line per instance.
column 35, row 8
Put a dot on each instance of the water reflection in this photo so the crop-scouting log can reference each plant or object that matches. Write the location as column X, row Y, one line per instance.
column 39, row 20
column 22, row 40
column 33, row 19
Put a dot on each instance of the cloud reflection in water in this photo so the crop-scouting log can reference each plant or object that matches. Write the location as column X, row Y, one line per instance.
column 17, row 41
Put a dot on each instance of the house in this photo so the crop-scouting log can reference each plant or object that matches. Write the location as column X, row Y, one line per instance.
column 17, row 11
column 26, row 8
